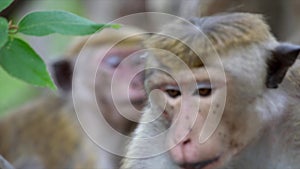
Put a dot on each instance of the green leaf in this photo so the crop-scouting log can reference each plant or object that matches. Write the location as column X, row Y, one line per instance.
column 3, row 31
column 4, row 4
column 47, row 22
column 19, row 60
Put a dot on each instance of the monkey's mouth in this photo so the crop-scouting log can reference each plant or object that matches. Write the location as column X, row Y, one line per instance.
column 138, row 103
column 200, row 165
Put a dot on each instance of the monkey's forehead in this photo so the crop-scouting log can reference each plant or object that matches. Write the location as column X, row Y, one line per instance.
column 207, row 36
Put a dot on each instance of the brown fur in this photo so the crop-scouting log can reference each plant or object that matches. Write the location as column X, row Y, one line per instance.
column 28, row 135
column 108, row 36
column 216, row 34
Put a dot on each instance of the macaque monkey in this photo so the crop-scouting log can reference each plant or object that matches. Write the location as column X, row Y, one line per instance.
column 223, row 94
column 46, row 134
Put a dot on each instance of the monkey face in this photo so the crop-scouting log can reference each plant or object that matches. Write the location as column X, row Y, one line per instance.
column 124, row 65
column 200, row 103
column 218, row 94
column 120, row 76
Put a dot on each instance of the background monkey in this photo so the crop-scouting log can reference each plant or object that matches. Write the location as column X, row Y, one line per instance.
column 259, row 125
column 46, row 134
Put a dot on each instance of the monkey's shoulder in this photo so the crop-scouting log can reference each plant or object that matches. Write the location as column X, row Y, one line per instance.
column 46, row 129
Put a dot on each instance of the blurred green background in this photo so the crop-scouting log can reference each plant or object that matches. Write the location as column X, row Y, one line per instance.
column 13, row 92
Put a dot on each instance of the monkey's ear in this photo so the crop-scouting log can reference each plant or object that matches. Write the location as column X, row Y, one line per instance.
column 62, row 72
column 283, row 57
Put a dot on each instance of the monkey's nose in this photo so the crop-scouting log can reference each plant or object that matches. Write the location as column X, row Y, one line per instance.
column 186, row 141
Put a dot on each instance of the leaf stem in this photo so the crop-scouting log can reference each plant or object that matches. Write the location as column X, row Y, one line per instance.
column 13, row 29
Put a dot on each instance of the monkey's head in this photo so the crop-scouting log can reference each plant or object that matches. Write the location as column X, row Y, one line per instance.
column 121, row 75
column 217, row 83
column 108, row 68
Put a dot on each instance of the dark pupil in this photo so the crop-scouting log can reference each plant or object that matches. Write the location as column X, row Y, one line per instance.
column 173, row 93
column 113, row 61
column 204, row 92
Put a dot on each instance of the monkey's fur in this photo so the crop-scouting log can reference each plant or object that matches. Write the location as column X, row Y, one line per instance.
column 46, row 134
column 260, row 126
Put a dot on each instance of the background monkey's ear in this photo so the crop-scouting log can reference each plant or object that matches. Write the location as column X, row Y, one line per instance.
column 62, row 72
column 283, row 57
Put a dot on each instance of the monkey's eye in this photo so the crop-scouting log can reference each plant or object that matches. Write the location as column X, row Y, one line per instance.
column 173, row 92
column 203, row 90
column 113, row 61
